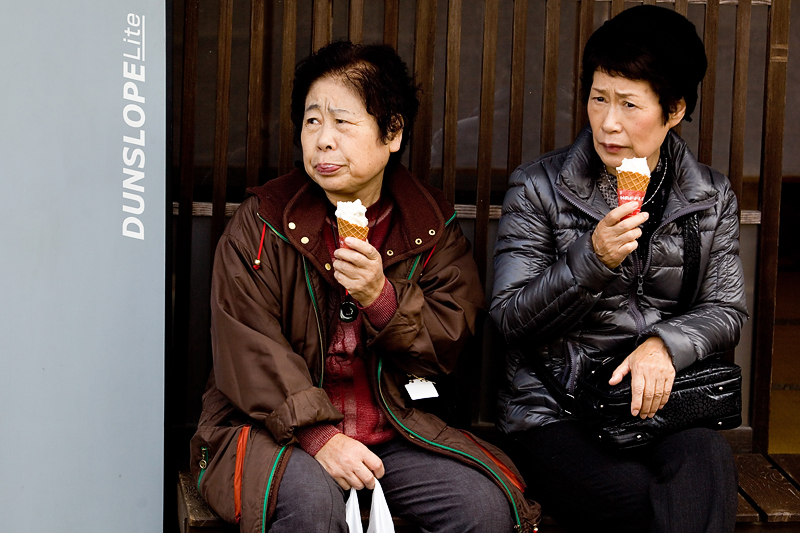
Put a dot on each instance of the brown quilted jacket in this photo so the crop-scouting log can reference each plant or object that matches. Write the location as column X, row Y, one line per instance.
column 269, row 337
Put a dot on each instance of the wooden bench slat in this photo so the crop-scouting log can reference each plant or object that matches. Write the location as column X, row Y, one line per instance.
column 790, row 464
column 746, row 512
column 193, row 511
column 772, row 493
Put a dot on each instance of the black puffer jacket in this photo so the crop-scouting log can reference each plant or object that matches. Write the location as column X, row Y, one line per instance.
column 553, row 298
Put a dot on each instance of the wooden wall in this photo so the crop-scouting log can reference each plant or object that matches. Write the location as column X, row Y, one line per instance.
column 498, row 81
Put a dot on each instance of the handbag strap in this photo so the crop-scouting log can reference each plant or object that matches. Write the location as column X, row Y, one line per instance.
column 691, row 261
column 566, row 401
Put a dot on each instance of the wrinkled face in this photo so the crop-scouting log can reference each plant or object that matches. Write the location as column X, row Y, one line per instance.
column 627, row 120
column 342, row 149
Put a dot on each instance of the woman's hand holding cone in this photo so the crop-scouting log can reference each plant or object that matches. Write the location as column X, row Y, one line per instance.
column 614, row 238
column 359, row 269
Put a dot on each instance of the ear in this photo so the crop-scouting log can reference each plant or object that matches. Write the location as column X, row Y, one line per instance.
column 396, row 141
column 396, row 136
column 676, row 116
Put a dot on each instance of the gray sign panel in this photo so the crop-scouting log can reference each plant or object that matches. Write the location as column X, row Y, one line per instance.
column 82, row 230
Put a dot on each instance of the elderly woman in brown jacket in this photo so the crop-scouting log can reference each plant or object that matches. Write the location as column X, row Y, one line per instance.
column 315, row 343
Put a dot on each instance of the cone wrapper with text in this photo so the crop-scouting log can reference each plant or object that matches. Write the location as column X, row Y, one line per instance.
column 633, row 177
column 351, row 218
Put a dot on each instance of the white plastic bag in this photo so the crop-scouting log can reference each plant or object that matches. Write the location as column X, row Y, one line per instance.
column 380, row 520
column 353, row 513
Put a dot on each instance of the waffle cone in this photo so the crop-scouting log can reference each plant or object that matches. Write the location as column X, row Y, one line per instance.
column 632, row 181
column 348, row 229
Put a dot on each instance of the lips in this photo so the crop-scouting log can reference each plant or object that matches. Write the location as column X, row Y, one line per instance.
column 611, row 148
column 327, row 168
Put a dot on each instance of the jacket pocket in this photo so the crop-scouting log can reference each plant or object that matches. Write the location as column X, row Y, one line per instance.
column 213, row 465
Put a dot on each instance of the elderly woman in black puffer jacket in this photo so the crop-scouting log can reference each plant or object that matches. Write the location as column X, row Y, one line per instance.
column 578, row 280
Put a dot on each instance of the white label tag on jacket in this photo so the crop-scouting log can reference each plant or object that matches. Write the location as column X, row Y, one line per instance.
column 420, row 389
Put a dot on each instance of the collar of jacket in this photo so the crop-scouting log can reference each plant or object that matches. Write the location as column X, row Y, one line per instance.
column 691, row 182
column 296, row 206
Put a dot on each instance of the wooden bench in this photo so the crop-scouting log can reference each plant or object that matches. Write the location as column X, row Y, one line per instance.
column 195, row 516
column 769, row 500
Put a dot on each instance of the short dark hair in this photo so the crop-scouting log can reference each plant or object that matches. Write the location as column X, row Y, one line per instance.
column 378, row 76
column 652, row 44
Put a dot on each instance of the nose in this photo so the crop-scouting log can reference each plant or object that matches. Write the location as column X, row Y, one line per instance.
column 326, row 139
column 611, row 122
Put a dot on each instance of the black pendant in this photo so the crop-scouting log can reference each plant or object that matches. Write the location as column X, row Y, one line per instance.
column 348, row 312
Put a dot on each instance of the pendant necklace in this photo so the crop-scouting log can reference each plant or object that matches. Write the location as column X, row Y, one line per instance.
column 348, row 310
column 663, row 175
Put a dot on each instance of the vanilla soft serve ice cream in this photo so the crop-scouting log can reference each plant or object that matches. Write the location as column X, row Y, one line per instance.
column 352, row 212
column 635, row 164
column 351, row 217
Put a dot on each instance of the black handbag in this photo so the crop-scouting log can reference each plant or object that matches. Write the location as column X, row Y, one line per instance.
column 707, row 394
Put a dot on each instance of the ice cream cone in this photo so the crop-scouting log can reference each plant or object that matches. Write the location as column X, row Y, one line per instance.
column 633, row 177
column 632, row 181
column 348, row 229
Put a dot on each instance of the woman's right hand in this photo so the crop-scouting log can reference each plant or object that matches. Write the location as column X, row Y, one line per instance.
column 614, row 239
column 350, row 463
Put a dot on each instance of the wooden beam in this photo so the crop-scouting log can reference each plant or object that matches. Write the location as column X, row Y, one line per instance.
column 286, row 141
column 710, row 33
column 321, row 23
column 391, row 22
column 739, row 114
column 519, row 32
column 464, row 211
column 355, row 26
column 451, row 82
column 255, row 95
column 547, row 137
column 222, row 118
column 485, row 135
column 183, row 240
column 585, row 29
column 770, row 207
column 425, row 39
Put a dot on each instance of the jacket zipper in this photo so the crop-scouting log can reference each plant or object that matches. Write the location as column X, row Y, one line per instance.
column 452, row 450
column 319, row 328
column 203, row 465
column 580, row 205
column 636, row 292
column 640, row 269
column 269, row 485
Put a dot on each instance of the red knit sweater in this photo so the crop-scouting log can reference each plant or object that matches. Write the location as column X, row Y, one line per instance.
column 346, row 380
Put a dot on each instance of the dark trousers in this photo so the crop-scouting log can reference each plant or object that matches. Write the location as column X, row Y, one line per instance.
column 685, row 483
column 438, row 493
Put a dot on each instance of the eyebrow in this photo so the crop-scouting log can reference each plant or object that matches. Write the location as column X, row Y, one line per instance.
column 619, row 94
column 332, row 109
